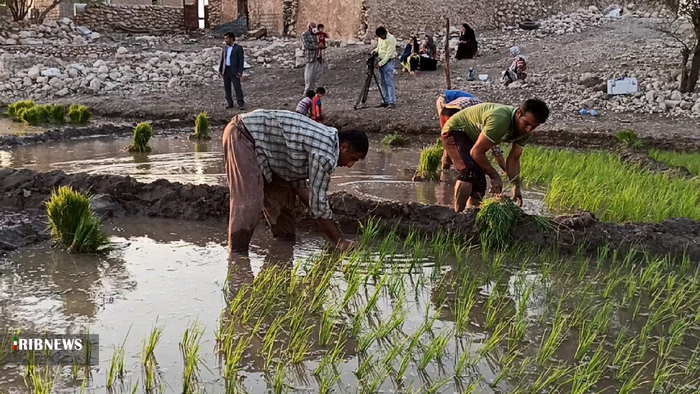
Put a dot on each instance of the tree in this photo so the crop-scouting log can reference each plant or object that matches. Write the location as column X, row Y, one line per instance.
column 687, row 11
column 19, row 8
column 48, row 9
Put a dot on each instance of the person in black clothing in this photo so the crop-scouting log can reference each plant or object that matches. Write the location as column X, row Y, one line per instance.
column 231, row 70
column 468, row 46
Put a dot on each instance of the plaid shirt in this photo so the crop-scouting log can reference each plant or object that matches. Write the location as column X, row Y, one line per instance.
column 310, row 46
column 296, row 148
column 465, row 102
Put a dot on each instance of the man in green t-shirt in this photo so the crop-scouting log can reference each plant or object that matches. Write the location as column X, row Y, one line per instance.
column 471, row 132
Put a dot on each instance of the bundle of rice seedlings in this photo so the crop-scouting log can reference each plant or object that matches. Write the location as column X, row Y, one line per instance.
column 14, row 110
column 497, row 217
column 395, row 140
column 629, row 139
column 201, row 127
column 430, row 161
column 58, row 113
column 79, row 114
column 34, row 116
column 73, row 224
column 142, row 134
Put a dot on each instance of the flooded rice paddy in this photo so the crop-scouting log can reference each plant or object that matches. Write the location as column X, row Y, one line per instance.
column 9, row 127
column 386, row 173
column 400, row 314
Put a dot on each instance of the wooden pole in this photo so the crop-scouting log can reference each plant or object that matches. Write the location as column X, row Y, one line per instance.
column 448, row 81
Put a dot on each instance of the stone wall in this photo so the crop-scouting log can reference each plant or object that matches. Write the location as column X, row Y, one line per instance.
column 111, row 17
column 215, row 12
column 66, row 51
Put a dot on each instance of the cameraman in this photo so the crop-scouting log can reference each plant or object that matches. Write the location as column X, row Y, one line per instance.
column 386, row 51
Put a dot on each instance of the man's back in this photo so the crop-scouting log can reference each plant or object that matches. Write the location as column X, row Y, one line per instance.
column 494, row 120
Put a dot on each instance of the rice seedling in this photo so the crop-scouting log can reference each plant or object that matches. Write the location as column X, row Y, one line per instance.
column 142, row 134
column 629, row 139
column 550, row 380
column 201, row 127
column 35, row 115
column 587, row 335
column 691, row 161
column 79, row 114
column 495, row 220
column 189, row 349
column 149, row 345
column 430, row 161
column 435, row 350
column 395, row 140
column 599, row 182
column 557, row 336
column 42, row 383
column 116, row 366
column 635, row 383
column 663, row 373
column 437, row 386
column 495, row 338
column 73, row 224
column 14, row 110
column 300, row 331
column 623, row 357
column 589, row 374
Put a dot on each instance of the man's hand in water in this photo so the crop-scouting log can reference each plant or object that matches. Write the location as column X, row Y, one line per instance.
column 518, row 195
column 496, row 185
column 346, row 244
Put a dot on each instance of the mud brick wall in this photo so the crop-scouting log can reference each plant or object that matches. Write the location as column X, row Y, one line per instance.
column 110, row 17
column 215, row 13
column 67, row 51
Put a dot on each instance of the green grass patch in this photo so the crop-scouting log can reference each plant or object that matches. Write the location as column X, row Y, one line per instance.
column 73, row 224
column 599, row 182
column 201, row 127
column 142, row 134
column 629, row 139
column 395, row 140
column 691, row 161
column 79, row 114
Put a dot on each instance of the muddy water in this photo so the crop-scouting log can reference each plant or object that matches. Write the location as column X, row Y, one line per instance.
column 165, row 276
column 8, row 127
column 385, row 174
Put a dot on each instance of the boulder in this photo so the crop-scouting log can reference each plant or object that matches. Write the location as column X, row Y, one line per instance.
column 51, row 72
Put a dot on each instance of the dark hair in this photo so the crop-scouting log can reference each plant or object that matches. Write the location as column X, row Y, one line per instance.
column 320, row 26
column 381, row 31
column 537, row 108
column 310, row 93
column 356, row 139
column 321, row 90
column 230, row 35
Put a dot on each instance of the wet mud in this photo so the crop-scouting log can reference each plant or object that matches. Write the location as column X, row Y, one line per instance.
column 26, row 190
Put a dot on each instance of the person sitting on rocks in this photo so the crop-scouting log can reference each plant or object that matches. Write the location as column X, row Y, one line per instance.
column 271, row 158
column 471, row 132
column 517, row 69
column 428, row 54
column 409, row 59
column 446, row 110
column 468, row 47
column 305, row 104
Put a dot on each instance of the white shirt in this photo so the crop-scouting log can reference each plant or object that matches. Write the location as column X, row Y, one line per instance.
column 228, row 55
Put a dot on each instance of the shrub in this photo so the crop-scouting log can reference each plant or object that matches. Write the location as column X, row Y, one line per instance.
column 73, row 224
column 142, row 134
column 201, row 127
column 79, row 114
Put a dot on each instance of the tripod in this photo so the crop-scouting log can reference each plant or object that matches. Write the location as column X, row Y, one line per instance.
column 365, row 88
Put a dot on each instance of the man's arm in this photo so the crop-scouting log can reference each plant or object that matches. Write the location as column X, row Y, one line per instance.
column 326, row 225
column 222, row 62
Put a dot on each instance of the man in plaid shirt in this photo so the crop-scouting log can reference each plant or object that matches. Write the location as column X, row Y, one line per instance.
column 274, row 156
column 445, row 111
column 313, row 71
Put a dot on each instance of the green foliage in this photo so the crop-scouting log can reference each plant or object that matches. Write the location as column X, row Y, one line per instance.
column 73, row 224
column 58, row 114
column 691, row 161
column 142, row 134
column 395, row 140
column 201, row 127
column 14, row 110
column 430, row 161
column 495, row 220
column 35, row 115
column 79, row 114
column 629, row 139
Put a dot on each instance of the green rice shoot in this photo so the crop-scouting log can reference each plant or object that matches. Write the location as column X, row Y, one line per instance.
column 629, row 139
column 691, row 161
column 79, row 114
column 395, row 140
column 430, row 162
column 73, row 224
column 142, row 134
column 201, row 127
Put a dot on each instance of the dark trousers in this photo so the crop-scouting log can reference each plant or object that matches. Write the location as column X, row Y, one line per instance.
column 233, row 79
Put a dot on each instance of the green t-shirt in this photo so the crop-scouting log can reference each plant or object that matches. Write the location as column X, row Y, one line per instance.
column 496, row 121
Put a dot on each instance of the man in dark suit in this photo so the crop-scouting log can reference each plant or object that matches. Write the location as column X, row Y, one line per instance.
column 231, row 69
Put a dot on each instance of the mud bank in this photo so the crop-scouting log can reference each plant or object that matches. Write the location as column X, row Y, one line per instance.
column 18, row 229
column 26, row 190
column 112, row 129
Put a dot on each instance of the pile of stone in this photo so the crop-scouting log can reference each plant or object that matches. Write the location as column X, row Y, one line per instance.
column 63, row 32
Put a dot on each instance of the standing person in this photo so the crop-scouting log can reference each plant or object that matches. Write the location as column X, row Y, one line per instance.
column 470, row 133
column 468, row 46
column 272, row 157
column 386, row 51
column 231, row 70
column 313, row 71
column 322, row 37
column 317, row 105
column 447, row 109
column 305, row 104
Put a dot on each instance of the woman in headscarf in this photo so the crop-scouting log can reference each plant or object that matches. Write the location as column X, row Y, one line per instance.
column 429, row 48
column 517, row 69
column 468, row 46
column 409, row 59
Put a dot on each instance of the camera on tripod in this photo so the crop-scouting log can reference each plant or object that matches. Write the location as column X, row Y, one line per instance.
column 372, row 61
